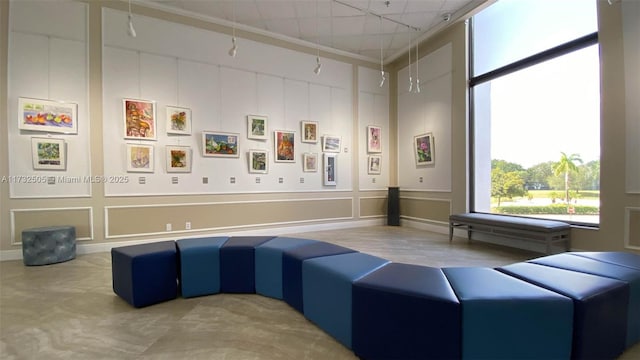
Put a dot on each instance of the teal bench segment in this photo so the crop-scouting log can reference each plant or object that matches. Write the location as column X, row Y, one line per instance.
column 269, row 264
column 507, row 318
column 327, row 290
column 238, row 263
column 199, row 270
column 600, row 307
column 145, row 274
column 590, row 266
column 48, row 245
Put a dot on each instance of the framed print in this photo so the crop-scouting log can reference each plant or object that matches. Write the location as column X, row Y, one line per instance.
column 258, row 161
column 330, row 169
column 48, row 154
column 220, row 144
column 374, row 164
column 139, row 119
column 178, row 159
column 309, row 162
column 309, row 131
column 257, row 127
column 178, row 120
column 139, row 158
column 374, row 136
column 47, row 116
column 331, row 143
column 284, row 146
column 423, row 148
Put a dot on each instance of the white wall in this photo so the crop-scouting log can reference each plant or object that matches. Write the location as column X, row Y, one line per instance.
column 426, row 112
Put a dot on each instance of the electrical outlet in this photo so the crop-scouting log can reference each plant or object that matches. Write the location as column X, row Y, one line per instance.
column 168, row 226
column 187, row 225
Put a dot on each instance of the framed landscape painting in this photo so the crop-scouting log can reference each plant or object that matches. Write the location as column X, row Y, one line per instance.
column 178, row 120
column 139, row 158
column 309, row 131
column 258, row 162
column 331, row 143
column 310, row 162
column 178, row 159
column 48, row 154
column 47, row 116
column 374, row 136
column 423, row 149
column 139, row 119
column 220, row 144
column 284, row 146
column 257, row 127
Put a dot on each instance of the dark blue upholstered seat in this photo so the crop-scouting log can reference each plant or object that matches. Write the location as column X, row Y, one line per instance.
column 237, row 263
column 199, row 269
column 145, row 274
column 292, row 268
column 507, row 318
column 600, row 307
column 613, row 257
column 404, row 311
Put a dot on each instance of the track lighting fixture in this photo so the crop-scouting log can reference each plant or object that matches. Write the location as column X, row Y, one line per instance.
column 417, row 69
column 410, row 78
column 131, row 30
column 382, row 77
column 234, row 48
column 318, row 66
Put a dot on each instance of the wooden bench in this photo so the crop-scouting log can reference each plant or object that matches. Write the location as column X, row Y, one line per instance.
column 547, row 232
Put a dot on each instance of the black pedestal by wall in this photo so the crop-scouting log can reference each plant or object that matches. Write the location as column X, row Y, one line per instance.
column 393, row 207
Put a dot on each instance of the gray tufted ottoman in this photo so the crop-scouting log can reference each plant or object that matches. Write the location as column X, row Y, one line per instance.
column 48, row 245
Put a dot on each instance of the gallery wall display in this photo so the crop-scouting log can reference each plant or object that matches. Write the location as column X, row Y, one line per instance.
column 178, row 120
column 139, row 119
column 284, row 143
column 309, row 131
column 257, row 127
column 423, row 147
column 375, row 162
column 48, row 154
column 139, row 158
column 178, row 159
column 47, row 115
column 330, row 169
column 374, row 136
column 258, row 161
column 310, row 162
column 220, row 144
column 331, row 143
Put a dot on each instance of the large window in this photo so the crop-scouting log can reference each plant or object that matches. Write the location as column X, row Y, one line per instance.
column 535, row 93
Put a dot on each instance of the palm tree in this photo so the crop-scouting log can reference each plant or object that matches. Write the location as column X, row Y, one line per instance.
column 566, row 164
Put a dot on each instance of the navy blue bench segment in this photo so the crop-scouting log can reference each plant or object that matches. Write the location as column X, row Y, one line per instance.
column 590, row 266
column 292, row 268
column 199, row 265
column 404, row 311
column 145, row 274
column 507, row 318
column 600, row 307
column 547, row 232
column 237, row 263
column 613, row 257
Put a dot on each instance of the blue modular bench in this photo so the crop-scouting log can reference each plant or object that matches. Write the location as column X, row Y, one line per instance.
column 546, row 232
column 544, row 308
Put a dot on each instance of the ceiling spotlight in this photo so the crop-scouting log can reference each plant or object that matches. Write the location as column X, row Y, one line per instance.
column 383, row 78
column 446, row 17
column 318, row 66
column 234, row 48
column 131, row 31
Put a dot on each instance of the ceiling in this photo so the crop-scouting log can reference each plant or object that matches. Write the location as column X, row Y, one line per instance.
column 356, row 28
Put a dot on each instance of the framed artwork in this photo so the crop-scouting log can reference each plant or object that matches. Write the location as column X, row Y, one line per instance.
column 220, row 144
column 139, row 119
column 374, row 162
column 178, row 120
column 374, row 138
column 330, row 169
column 331, row 143
column 178, row 159
column 47, row 116
column 257, row 127
column 258, row 161
column 139, row 158
column 423, row 148
column 48, row 154
column 309, row 131
column 284, row 146
column 310, row 162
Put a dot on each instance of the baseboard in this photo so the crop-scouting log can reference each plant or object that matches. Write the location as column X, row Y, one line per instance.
column 427, row 226
column 89, row 248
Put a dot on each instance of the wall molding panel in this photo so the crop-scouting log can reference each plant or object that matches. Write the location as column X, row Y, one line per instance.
column 80, row 217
